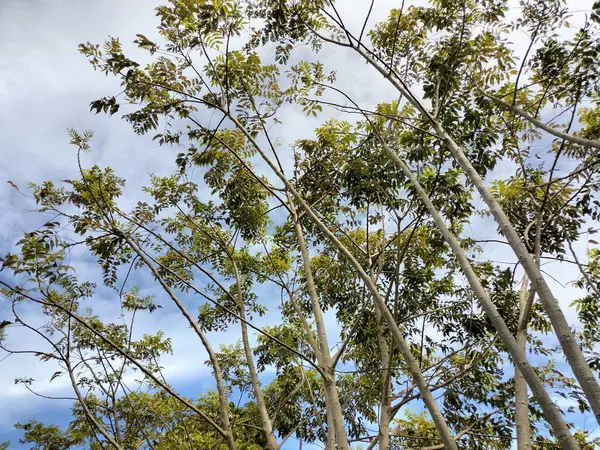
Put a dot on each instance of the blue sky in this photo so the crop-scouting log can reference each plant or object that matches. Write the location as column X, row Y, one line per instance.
column 46, row 87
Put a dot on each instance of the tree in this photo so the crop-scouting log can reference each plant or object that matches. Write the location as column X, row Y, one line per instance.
column 366, row 220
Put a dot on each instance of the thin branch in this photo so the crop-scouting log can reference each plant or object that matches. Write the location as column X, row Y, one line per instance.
column 587, row 277
column 569, row 137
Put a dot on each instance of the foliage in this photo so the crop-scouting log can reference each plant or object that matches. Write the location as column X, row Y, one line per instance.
column 255, row 229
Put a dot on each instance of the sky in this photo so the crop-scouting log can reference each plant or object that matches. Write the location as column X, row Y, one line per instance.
column 46, row 87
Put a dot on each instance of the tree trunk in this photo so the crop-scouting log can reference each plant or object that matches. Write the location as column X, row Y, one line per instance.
column 385, row 410
column 551, row 412
column 412, row 365
column 223, row 403
column 330, row 444
column 258, row 394
column 334, row 408
column 571, row 349
column 521, row 395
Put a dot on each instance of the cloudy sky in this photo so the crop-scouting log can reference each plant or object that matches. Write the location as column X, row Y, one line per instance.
column 46, row 87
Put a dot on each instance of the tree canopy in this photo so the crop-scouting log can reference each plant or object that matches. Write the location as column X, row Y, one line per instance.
column 394, row 326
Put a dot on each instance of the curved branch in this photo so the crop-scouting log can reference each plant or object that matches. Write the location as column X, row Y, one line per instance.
column 538, row 123
column 119, row 350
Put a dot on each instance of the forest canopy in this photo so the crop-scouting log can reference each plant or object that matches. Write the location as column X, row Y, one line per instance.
column 356, row 263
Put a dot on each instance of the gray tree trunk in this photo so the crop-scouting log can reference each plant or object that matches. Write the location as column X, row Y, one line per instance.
column 521, row 395
column 571, row 349
column 412, row 365
column 334, row 407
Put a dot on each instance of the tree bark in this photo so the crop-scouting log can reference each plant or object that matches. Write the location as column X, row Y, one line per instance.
column 571, row 349
column 331, row 439
column 550, row 411
column 569, row 344
column 412, row 365
column 258, row 394
column 385, row 409
column 521, row 396
column 223, row 403
column 331, row 391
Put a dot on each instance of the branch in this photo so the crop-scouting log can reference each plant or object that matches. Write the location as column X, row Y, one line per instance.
column 119, row 350
column 466, row 430
column 587, row 277
column 568, row 137
column 217, row 283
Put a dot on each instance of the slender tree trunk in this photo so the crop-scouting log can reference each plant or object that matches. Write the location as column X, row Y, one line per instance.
column 258, row 394
column 334, row 408
column 571, row 349
column 551, row 412
column 385, row 410
column 221, row 392
column 521, row 396
column 82, row 401
column 412, row 365
column 330, row 443
column 329, row 433
column 569, row 344
column 223, row 403
column 118, row 434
